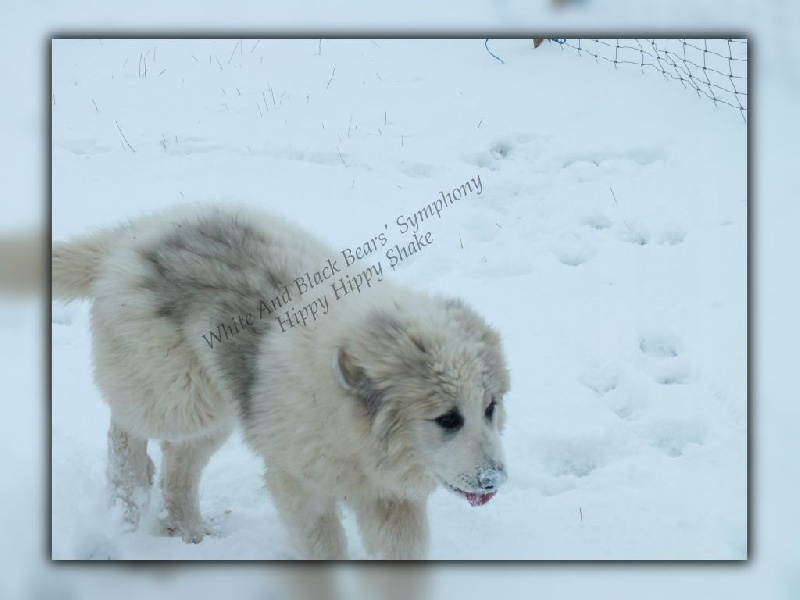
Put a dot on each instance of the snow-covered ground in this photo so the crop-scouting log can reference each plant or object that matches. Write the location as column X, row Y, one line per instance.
column 608, row 245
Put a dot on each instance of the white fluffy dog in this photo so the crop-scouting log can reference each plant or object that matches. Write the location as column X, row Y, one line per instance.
column 196, row 324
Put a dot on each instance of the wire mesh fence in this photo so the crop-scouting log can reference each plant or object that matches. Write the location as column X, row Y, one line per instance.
column 713, row 68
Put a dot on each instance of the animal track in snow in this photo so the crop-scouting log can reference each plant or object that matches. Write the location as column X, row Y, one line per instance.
column 668, row 367
column 506, row 148
column 634, row 233
column 661, row 345
column 601, row 379
column 574, row 256
column 630, row 397
column 674, row 374
column 624, row 403
column 624, row 395
column 672, row 436
column 500, row 150
column 579, row 454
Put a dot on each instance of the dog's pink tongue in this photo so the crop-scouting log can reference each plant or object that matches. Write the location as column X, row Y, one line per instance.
column 478, row 499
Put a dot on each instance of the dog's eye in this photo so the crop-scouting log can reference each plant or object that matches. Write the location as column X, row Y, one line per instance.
column 490, row 409
column 450, row 421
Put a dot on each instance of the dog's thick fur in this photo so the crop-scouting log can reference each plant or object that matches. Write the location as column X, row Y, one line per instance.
column 390, row 393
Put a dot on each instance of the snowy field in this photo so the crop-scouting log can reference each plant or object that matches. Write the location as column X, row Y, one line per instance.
column 608, row 246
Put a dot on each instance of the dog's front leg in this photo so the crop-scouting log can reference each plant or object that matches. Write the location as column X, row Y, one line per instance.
column 182, row 466
column 394, row 529
column 312, row 520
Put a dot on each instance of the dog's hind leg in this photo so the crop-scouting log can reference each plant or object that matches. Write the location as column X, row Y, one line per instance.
column 393, row 529
column 182, row 466
column 312, row 521
column 130, row 473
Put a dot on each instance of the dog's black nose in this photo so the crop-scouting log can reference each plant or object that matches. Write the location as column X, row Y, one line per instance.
column 489, row 479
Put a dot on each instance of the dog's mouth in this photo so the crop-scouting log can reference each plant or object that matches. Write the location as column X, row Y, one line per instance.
column 478, row 499
column 474, row 498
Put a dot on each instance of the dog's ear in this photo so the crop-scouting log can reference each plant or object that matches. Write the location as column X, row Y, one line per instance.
column 354, row 380
column 349, row 375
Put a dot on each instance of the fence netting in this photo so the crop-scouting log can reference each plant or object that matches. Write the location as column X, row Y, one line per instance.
column 713, row 68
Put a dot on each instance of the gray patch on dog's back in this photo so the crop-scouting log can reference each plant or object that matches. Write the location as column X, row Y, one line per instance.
column 213, row 269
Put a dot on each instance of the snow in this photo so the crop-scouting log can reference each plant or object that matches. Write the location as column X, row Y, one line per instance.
column 771, row 570
column 608, row 246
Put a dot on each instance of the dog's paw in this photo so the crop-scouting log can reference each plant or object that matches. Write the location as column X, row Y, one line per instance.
column 191, row 532
column 196, row 535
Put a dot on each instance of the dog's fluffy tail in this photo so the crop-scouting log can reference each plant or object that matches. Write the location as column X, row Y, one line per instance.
column 76, row 264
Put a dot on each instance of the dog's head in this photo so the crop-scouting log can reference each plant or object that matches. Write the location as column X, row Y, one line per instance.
column 430, row 378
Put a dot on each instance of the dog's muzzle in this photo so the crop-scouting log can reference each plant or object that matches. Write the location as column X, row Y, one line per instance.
column 492, row 477
column 489, row 478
